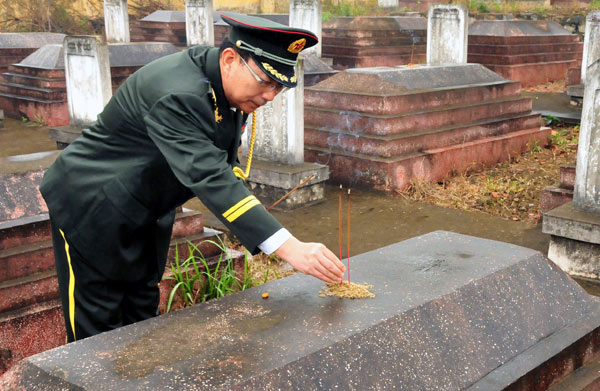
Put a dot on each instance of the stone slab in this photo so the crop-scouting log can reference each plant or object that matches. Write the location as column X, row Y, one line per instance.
column 285, row 176
column 404, row 79
column 450, row 312
column 120, row 54
column 165, row 16
column 515, row 28
column 29, row 40
column 20, row 177
column 578, row 258
column 570, row 222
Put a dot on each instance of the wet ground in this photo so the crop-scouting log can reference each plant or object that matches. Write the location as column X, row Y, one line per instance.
column 376, row 219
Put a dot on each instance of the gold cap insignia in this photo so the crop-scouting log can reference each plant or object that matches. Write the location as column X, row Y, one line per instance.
column 297, row 46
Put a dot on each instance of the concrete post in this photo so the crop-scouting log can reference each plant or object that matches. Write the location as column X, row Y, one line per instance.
column 116, row 21
column 199, row 22
column 586, row 194
column 280, row 126
column 590, row 47
column 87, row 72
column 307, row 14
column 447, row 33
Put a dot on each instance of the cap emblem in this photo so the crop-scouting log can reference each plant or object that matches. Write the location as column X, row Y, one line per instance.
column 297, row 46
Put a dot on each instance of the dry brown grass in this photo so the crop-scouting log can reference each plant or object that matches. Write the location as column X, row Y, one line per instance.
column 511, row 190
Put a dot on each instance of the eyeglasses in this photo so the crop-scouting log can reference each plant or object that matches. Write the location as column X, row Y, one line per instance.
column 277, row 87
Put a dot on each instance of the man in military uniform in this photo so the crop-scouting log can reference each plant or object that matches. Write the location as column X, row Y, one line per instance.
column 171, row 132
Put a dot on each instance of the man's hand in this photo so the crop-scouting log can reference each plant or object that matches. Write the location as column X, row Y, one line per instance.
column 313, row 259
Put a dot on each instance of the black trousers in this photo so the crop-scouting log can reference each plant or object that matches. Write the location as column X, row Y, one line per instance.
column 92, row 303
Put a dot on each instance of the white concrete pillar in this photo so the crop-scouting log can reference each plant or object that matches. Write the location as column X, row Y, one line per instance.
column 447, row 31
column 308, row 15
column 592, row 25
column 87, row 71
column 280, row 126
column 116, row 21
column 199, row 22
column 387, row 3
column 586, row 194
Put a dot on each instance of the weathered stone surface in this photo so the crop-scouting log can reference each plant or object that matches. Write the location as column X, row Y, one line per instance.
column 571, row 222
column 315, row 70
column 374, row 41
column 447, row 31
column 451, row 312
column 14, row 47
column 529, row 51
column 385, row 127
column 116, row 21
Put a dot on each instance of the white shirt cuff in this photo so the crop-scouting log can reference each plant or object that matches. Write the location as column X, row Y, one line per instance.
column 275, row 241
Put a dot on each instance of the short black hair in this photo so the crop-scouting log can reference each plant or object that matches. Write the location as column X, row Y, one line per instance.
column 228, row 44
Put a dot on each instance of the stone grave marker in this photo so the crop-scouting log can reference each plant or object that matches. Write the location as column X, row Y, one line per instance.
column 447, row 34
column 278, row 153
column 116, row 21
column 87, row 73
column 307, row 14
column 199, row 22
column 575, row 226
column 451, row 312
column 590, row 48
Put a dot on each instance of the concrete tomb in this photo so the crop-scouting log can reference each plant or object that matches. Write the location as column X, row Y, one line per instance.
column 14, row 47
column 116, row 21
column 36, row 87
column 386, row 127
column 161, row 26
column 278, row 153
column 199, row 22
column 451, row 312
column 31, row 319
column 575, row 226
column 447, row 35
column 367, row 41
column 531, row 52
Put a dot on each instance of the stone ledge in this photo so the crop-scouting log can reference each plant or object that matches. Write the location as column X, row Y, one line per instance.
column 570, row 222
column 285, row 176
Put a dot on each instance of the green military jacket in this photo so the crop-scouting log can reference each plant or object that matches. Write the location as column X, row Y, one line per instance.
column 167, row 134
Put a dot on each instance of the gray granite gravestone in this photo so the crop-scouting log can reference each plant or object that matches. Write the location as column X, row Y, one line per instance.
column 451, row 312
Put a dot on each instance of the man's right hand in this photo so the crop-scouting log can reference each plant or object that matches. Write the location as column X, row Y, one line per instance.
column 313, row 259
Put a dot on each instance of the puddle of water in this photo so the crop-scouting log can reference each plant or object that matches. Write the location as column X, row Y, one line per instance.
column 18, row 138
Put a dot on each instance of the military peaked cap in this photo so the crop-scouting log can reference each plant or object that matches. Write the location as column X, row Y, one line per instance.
column 274, row 47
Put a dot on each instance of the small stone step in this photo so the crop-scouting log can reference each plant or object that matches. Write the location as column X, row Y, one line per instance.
column 535, row 73
column 522, row 39
column 359, row 51
column 553, row 197
column 30, row 330
column 25, row 260
column 418, row 140
column 423, row 120
column 404, row 101
column 567, row 176
column 28, row 290
column 523, row 58
column 25, row 230
column 45, row 94
column 585, row 378
column 40, row 82
column 396, row 174
column 524, row 49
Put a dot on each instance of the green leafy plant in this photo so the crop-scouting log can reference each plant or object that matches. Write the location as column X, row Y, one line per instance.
column 551, row 120
column 196, row 281
column 534, row 147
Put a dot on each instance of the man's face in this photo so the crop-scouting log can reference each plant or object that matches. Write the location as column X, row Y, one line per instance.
column 241, row 82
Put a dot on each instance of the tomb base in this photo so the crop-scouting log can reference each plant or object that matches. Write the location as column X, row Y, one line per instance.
column 575, row 241
column 65, row 135
column 270, row 181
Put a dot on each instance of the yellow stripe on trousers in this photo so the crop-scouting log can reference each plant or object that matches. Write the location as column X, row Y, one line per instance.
column 71, row 287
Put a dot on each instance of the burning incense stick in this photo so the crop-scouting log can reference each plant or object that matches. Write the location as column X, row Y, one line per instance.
column 348, row 240
column 340, row 222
